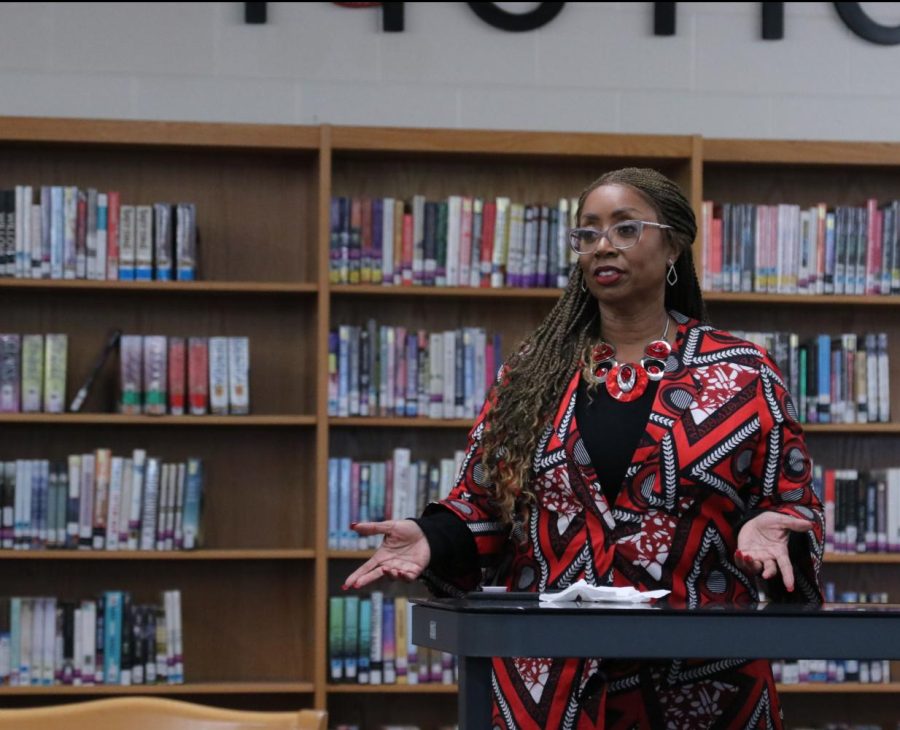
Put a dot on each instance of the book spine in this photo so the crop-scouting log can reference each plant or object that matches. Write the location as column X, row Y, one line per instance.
column 112, row 234
column 162, row 241
column 155, row 372
column 32, row 373
column 150, row 502
column 177, row 373
column 186, row 241
column 238, row 375
column 138, row 480
column 70, row 223
column 193, row 501
column 103, row 468
column 143, row 243
column 127, row 243
column 218, row 375
column 198, row 375
column 10, row 373
column 131, row 349
column 55, row 350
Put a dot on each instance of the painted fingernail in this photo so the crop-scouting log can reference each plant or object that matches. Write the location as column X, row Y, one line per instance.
column 353, row 525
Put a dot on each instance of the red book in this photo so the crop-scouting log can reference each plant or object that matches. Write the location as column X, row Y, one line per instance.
column 198, row 375
column 112, row 235
column 407, row 249
column 176, row 376
column 488, row 219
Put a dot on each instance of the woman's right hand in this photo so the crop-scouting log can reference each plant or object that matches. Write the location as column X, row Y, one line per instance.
column 404, row 553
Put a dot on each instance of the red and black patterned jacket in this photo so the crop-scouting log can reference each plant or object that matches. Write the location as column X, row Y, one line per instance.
column 722, row 444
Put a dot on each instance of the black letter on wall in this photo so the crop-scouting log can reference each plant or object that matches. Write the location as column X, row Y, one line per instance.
column 866, row 28
column 663, row 18
column 255, row 13
column 392, row 17
column 492, row 15
column 773, row 21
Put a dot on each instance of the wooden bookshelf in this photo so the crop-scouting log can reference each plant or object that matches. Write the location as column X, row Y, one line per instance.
column 256, row 596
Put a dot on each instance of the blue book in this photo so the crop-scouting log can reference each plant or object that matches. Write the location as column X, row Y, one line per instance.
column 334, row 535
column 823, row 371
column 365, row 639
column 348, row 541
column 112, row 633
column 193, row 499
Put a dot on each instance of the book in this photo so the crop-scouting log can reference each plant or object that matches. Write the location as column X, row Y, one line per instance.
column 56, row 352
column 218, row 375
column 112, row 341
column 238, row 375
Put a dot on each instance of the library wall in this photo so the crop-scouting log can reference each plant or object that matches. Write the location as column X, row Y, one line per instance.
column 596, row 67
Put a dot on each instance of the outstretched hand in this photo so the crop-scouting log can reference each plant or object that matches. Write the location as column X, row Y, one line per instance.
column 762, row 547
column 404, row 553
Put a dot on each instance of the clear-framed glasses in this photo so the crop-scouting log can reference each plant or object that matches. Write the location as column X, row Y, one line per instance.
column 622, row 235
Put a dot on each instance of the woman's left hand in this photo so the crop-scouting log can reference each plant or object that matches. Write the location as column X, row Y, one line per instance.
column 762, row 547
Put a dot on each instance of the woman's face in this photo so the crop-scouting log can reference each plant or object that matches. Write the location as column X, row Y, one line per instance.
column 630, row 277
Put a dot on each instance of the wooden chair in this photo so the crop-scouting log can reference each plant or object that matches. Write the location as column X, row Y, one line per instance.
column 155, row 713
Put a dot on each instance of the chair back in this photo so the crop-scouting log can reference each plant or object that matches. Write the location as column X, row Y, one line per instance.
column 155, row 713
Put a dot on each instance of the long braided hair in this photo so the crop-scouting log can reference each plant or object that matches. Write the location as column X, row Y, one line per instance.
column 536, row 375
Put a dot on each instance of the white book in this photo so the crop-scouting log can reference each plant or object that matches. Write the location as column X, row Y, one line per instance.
column 449, row 374
column 435, row 373
column 375, row 634
column 516, row 250
column 127, row 242
column 70, row 221
column 35, row 239
column 114, row 507
column 101, row 242
column 91, row 234
column 418, row 262
column 465, row 241
column 389, row 373
column 218, row 375
column 893, row 510
column 139, row 466
column 23, row 269
column 884, row 379
column 178, row 511
column 480, row 369
column 86, row 504
column 151, row 496
column 48, row 663
column 90, row 669
column 177, row 639
column 871, row 378
column 400, row 507
column 501, row 241
column 36, row 662
column 387, row 241
column 22, row 509
column 125, row 504
column 454, row 214
column 239, row 375
column 143, row 243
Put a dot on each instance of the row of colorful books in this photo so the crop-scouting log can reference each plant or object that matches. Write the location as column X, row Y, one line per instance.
column 107, row 640
column 178, row 375
column 787, row 249
column 97, row 501
column 370, row 642
column 798, row 671
column 833, row 378
column 382, row 370
column 33, row 373
column 399, row 487
column 862, row 509
column 459, row 241
column 66, row 232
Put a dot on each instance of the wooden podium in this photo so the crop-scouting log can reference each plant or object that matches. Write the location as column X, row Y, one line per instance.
column 514, row 625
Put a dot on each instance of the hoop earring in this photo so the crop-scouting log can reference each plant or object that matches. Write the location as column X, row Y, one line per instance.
column 671, row 274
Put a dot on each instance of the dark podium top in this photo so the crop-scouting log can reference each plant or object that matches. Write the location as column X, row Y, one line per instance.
column 486, row 625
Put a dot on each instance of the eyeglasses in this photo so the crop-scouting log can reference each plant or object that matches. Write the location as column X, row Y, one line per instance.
column 621, row 235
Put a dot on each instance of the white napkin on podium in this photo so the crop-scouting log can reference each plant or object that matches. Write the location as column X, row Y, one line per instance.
column 582, row 591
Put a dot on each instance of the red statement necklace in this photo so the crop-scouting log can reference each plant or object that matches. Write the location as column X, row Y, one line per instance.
column 627, row 381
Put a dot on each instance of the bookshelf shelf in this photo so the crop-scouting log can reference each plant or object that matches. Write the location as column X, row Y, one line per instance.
column 162, row 288
column 115, row 419
column 395, row 689
column 862, row 558
column 460, row 292
column 93, row 555
column 801, row 300
column 858, row 429
column 198, row 688
column 840, row 688
column 398, row 422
